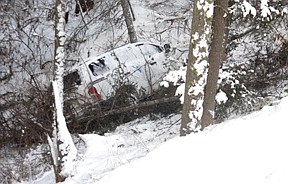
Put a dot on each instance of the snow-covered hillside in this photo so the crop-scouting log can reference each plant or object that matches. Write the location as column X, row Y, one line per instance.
column 250, row 149
column 133, row 140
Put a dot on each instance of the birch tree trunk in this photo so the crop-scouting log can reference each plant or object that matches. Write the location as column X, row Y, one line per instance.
column 197, row 65
column 128, row 20
column 62, row 147
column 217, row 52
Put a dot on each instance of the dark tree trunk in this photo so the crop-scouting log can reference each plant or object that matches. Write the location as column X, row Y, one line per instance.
column 128, row 20
column 216, row 55
column 200, row 23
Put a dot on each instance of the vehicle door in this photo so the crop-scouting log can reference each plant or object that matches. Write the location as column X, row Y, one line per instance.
column 127, row 65
column 153, row 69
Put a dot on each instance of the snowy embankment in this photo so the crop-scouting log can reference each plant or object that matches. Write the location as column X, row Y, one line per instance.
column 102, row 154
column 250, row 149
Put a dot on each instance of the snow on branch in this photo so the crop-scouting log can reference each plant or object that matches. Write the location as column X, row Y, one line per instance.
column 266, row 11
column 247, row 8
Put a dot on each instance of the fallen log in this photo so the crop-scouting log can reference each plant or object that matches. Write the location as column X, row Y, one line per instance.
column 140, row 105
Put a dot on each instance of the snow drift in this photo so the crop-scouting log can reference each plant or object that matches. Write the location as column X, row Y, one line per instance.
column 250, row 149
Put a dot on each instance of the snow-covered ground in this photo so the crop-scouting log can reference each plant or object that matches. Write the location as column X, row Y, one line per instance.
column 133, row 140
column 250, row 149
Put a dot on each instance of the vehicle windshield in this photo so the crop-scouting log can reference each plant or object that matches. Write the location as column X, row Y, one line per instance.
column 149, row 49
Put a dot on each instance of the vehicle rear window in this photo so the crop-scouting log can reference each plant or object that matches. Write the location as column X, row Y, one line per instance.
column 98, row 67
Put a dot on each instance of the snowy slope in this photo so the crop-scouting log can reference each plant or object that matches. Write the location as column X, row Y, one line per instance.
column 133, row 140
column 250, row 149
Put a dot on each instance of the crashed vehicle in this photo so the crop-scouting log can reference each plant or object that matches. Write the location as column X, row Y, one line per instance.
column 142, row 65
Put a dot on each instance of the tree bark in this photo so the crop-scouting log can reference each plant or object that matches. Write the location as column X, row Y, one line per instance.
column 128, row 20
column 62, row 147
column 192, row 106
column 217, row 52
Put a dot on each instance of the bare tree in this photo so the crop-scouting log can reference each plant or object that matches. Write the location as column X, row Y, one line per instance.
column 125, row 4
column 215, row 58
column 197, row 65
column 62, row 147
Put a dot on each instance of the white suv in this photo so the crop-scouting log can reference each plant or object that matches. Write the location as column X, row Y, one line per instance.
column 141, row 64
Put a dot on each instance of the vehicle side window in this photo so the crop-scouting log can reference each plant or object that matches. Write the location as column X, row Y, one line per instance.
column 98, row 67
column 71, row 79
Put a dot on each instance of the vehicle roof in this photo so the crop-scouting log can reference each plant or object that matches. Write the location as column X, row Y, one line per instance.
column 118, row 48
column 94, row 59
